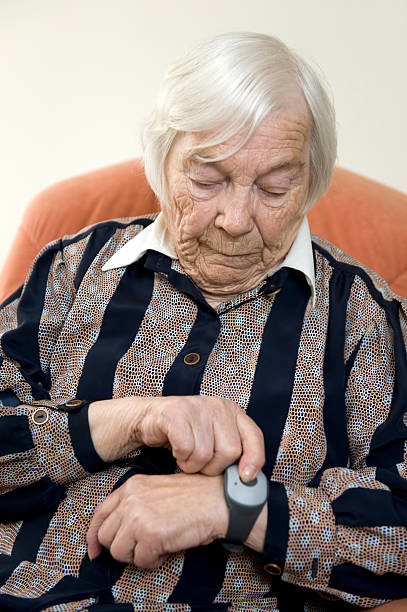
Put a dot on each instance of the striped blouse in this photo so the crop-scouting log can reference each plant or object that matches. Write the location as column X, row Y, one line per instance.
column 325, row 381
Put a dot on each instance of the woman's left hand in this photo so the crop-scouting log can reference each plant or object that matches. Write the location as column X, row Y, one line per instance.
column 149, row 517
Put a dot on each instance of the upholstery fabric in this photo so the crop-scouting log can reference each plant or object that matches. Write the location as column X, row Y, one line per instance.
column 364, row 218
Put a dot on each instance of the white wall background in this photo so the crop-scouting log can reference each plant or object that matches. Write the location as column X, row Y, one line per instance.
column 78, row 76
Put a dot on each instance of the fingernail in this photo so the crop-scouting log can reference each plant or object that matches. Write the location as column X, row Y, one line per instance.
column 90, row 557
column 248, row 473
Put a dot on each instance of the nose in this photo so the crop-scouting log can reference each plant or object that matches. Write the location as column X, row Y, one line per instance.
column 235, row 214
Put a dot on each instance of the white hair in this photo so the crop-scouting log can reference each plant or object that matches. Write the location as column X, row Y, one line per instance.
column 230, row 84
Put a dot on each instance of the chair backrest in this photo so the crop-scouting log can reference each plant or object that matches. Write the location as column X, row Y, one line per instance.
column 362, row 217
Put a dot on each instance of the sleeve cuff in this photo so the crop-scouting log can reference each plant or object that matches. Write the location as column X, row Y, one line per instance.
column 81, row 440
column 276, row 542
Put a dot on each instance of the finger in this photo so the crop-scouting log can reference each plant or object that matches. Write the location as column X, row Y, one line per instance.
column 253, row 456
column 181, row 438
column 123, row 544
column 109, row 528
column 147, row 556
column 101, row 513
column 227, row 445
column 191, row 438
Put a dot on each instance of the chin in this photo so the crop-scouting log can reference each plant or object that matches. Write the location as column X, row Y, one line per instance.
column 222, row 285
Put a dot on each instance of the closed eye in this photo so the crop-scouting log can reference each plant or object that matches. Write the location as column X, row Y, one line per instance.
column 273, row 193
column 204, row 185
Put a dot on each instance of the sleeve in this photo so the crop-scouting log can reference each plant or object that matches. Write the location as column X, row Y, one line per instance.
column 346, row 536
column 43, row 444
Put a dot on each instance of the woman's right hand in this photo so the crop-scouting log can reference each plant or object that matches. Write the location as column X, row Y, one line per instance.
column 205, row 434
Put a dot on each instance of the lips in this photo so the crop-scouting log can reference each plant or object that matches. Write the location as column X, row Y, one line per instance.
column 235, row 254
column 231, row 254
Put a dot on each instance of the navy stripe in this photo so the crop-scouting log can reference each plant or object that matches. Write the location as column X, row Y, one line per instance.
column 360, row 581
column 334, row 373
column 182, row 379
column 15, row 435
column 392, row 479
column 202, row 575
column 99, row 236
column 361, row 507
column 30, row 536
column 276, row 541
column 21, row 343
column 103, row 572
column 351, row 359
column 115, row 607
column 290, row 598
column 274, row 378
column 387, row 445
column 355, row 270
column 290, row 602
column 186, row 285
column 157, row 262
column 29, row 501
column 219, row 607
column 120, row 324
column 7, row 566
column 97, row 240
column 7, row 397
column 82, row 442
column 67, row 589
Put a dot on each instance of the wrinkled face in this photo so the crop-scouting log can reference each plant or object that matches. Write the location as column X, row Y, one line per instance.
column 233, row 221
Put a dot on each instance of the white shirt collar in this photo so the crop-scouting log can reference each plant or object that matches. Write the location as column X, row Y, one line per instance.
column 156, row 237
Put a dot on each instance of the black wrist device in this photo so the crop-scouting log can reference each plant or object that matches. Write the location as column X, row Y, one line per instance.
column 245, row 501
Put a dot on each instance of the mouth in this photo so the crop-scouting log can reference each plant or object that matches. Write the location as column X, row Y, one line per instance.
column 233, row 254
column 237, row 259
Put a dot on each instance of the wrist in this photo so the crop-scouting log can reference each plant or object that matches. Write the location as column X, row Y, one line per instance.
column 257, row 537
column 111, row 424
column 222, row 509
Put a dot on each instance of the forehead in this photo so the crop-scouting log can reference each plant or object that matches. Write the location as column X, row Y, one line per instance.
column 281, row 138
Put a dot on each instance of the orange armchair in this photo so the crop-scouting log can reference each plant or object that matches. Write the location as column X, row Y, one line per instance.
column 362, row 217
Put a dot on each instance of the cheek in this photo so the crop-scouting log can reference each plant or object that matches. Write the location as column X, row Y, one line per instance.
column 275, row 223
column 193, row 218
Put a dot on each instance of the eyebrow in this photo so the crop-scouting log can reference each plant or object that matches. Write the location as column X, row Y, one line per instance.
column 286, row 165
column 217, row 165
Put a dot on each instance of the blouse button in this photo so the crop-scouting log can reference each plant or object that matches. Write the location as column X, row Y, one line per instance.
column 74, row 403
column 192, row 359
column 273, row 569
column 271, row 293
column 40, row 416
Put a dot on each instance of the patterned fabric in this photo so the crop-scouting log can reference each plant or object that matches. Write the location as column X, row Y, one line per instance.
column 326, row 383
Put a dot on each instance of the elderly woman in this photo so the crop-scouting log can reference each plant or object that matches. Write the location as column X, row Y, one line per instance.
column 146, row 358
